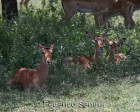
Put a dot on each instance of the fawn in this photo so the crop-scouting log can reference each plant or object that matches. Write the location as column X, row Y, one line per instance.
column 86, row 61
column 34, row 78
column 113, row 51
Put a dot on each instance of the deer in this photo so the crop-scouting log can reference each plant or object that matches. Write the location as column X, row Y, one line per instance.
column 86, row 61
column 25, row 3
column 113, row 50
column 97, row 7
column 124, row 8
column 136, row 3
column 34, row 78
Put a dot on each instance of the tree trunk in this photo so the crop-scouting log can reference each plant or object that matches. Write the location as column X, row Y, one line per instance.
column 9, row 9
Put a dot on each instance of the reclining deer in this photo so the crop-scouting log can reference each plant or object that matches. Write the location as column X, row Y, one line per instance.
column 86, row 61
column 97, row 7
column 113, row 51
column 34, row 78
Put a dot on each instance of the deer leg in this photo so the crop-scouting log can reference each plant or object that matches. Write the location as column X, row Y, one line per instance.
column 99, row 19
column 106, row 19
column 43, row 3
column 26, row 4
column 83, row 17
column 128, row 13
column 96, row 21
column 132, row 23
column 129, row 23
column 41, row 86
column 68, row 16
column 128, row 20
column 89, row 66
column 131, row 11
column 21, row 3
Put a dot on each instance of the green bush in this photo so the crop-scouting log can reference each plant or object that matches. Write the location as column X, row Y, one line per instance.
column 18, row 46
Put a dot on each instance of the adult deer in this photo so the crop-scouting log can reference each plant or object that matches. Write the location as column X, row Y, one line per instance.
column 113, row 51
column 26, row 2
column 34, row 78
column 86, row 61
column 98, row 7
column 124, row 8
column 136, row 3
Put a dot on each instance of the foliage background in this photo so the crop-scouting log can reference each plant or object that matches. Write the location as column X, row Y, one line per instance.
column 117, row 86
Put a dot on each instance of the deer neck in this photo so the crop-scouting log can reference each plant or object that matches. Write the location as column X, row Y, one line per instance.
column 111, row 54
column 98, row 53
column 43, row 69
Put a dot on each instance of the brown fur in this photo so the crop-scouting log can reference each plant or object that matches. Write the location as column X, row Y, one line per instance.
column 124, row 8
column 119, row 57
column 25, row 3
column 136, row 3
column 33, row 78
column 86, row 61
column 113, row 51
column 98, row 6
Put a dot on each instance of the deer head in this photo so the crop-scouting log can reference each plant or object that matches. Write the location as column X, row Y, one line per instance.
column 115, row 44
column 99, row 40
column 47, row 52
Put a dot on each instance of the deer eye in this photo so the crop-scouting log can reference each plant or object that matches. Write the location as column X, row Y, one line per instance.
column 43, row 52
column 96, row 41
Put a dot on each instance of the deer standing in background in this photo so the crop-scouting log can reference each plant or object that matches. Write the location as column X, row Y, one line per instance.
column 86, row 61
column 25, row 3
column 97, row 7
column 136, row 3
column 34, row 78
column 124, row 8
column 113, row 51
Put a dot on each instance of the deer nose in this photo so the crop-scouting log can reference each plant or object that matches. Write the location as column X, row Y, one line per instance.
column 101, row 48
column 48, row 62
column 114, row 51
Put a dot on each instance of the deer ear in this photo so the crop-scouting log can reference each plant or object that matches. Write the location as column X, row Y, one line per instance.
column 108, row 42
column 41, row 47
column 52, row 47
column 90, row 35
column 121, row 41
column 104, row 35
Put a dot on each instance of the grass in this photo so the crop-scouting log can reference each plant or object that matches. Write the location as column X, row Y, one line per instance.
column 111, row 88
column 122, row 96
